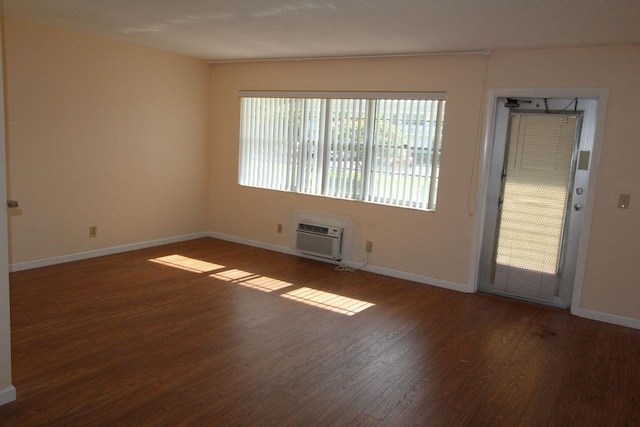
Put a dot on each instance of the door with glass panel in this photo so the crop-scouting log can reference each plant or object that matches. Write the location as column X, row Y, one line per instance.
column 534, row 203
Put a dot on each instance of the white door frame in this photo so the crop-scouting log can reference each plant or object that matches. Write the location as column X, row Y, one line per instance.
column 7, row 391
column 601, row 95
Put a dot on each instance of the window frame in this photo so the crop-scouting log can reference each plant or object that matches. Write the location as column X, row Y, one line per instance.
column 369, row 144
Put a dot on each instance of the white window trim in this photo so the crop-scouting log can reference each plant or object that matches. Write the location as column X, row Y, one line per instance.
column 434, row 96
column 365, row 195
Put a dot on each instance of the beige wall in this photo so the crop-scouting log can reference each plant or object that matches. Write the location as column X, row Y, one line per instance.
column 438, row 244
column 434, row 244
column 101, row 133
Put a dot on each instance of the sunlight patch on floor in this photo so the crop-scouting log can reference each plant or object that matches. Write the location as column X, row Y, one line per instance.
column 250, row 280
column 186, row 263
column 328, row 301
column 309, row 296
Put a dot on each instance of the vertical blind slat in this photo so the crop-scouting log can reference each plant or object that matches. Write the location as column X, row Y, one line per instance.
column 269, row 149
column 396, row 151
column 437, row 141
column 277, row 163
column 320, row 147
column 368, row 155
column 387, row 153
column 260, row 150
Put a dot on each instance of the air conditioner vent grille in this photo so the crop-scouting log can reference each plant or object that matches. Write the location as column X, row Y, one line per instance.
column 312, row 228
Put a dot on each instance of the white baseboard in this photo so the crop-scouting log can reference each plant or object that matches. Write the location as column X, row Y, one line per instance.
column 254, row 243
column 370, row 268
column 608, row 318
column 27, row 265
column 7, row 395
column 417, row 278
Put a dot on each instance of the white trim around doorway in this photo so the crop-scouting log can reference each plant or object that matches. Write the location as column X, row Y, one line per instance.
column 601, row 95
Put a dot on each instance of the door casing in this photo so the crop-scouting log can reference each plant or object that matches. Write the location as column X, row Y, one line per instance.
column 600, row 97
column 584, row 110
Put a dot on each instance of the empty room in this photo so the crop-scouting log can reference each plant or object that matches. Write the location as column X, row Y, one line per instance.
column 303, row 213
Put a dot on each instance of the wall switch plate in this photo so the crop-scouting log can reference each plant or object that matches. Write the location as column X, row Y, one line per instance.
column 623, row 201
column 93, row 231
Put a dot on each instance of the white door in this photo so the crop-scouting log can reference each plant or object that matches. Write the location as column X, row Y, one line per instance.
column 7, row 391
column 537, row 189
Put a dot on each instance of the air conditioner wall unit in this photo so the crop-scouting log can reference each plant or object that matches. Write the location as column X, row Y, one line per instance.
column 324, row 241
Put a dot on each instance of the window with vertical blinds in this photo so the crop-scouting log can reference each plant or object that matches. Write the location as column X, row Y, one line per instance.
column 377, row 148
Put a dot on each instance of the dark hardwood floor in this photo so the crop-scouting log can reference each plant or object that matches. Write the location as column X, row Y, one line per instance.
column 123, row 340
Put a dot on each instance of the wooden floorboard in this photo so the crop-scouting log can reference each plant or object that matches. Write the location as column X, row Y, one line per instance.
column 127, row 340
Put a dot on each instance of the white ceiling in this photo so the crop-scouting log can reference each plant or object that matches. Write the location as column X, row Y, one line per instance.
column 223, row 30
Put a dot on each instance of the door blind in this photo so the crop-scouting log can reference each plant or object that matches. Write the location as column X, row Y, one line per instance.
column 538, row 170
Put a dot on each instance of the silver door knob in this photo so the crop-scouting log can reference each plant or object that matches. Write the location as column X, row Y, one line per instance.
column 577, row 207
